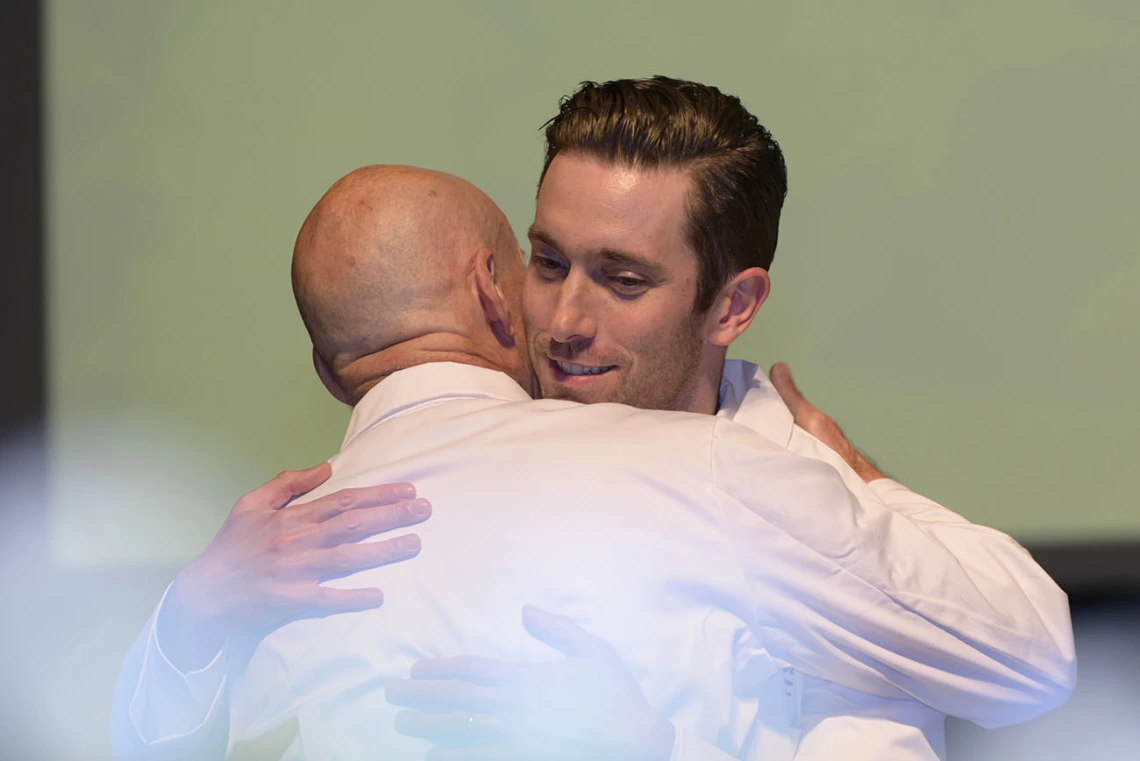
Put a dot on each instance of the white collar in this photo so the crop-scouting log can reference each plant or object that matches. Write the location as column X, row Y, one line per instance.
column 432, row 381
column 749, row 398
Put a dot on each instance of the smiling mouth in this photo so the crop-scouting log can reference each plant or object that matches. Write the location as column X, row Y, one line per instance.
column 576, row 371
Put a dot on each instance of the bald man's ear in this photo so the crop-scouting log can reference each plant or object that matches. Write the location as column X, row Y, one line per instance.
column 326, row 375
column 736, row 306
column 494, row 305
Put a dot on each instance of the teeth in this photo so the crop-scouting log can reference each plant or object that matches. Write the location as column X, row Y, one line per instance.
column 571, row 369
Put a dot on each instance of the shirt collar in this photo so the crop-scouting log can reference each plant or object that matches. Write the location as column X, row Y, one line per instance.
column 747, row 397
column 407, row 389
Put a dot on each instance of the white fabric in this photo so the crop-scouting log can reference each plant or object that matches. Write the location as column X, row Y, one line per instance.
column 709, row 557
column 836, row 722
column 161, row 712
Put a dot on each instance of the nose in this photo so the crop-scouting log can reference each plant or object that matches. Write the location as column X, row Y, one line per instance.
column 573, row 319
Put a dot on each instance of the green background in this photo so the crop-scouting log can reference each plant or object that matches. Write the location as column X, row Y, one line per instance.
column 956, row 278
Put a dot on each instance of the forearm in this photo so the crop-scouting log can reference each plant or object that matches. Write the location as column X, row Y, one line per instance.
column 1008, row 623
column 852, row 591
column 896, row 644
column 1017, row 609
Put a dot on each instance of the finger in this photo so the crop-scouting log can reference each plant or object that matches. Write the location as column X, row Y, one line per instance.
column 470, row 668
column 444, row 696
column 354, row 525
column 285, row 486
column 345, row 559
column 457, row 729
column 781, row 377
column 325, row 601
column 334, row 504
column 561, row 633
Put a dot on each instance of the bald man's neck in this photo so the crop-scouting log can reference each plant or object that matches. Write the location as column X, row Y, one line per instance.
column 358, row 377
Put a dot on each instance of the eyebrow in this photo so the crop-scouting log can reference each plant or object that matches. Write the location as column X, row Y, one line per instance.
column 612, row 255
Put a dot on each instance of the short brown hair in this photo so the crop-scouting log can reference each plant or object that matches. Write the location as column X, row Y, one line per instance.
column 739, row 180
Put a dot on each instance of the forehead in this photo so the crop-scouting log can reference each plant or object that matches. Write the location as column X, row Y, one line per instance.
column 587, row 205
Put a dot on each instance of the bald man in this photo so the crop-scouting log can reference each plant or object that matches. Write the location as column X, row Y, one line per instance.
column 412, row 302
column 567, row 489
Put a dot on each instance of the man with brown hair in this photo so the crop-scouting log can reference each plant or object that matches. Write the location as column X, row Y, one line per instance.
column 657, row 218
column 656, row 224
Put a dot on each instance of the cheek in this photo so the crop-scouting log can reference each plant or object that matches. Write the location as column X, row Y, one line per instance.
column 666, row 345
column 643, row 336
column 651, row 329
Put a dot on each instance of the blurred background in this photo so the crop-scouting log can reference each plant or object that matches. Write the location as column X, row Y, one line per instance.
column 955, row 280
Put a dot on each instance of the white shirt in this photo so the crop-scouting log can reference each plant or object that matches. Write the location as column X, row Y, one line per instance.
column 708, row 556
column 827, row 721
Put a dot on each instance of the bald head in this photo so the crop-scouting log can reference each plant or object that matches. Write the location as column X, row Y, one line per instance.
column 388, row 257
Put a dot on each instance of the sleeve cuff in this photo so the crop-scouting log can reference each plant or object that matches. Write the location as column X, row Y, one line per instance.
column 912, row 504
column 885, row 487
column 168, row 703
column 678, row 753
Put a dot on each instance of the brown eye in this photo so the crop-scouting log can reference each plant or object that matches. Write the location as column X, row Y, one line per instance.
column 628, row 285
column 545, row 264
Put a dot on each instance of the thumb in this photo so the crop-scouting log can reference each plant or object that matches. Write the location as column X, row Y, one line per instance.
column 559, row 632
column 291, row 484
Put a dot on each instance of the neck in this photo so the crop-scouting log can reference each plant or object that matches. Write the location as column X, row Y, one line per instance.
column 705, row 397
column 361, row 374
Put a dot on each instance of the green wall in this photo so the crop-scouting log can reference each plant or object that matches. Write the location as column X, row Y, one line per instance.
column 955, row 280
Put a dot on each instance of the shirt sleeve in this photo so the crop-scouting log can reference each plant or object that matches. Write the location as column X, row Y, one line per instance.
column 160, row 712
column 849, row 589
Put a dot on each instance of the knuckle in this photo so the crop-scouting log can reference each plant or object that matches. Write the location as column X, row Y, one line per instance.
column 346, row 498
column 351, row 523
column 318, row 596
column 287, row 542
column 341, row 558
column 379, row 553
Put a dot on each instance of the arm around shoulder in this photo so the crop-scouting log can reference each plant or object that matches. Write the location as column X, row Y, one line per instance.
column 848, row 589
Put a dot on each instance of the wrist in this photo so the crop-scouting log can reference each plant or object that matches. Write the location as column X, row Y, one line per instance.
column 868, row 472
column 191, row 626
column 863, row 467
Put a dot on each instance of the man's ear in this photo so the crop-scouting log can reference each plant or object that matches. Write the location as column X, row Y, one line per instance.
column 326, row 375
column 496, row 310
column 736, row 306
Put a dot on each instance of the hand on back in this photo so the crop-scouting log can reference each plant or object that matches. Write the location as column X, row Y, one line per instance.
column 581, row 707
column 816, row 422
column 265, row 565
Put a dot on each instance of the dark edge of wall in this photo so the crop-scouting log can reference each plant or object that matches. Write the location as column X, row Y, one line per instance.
column 22, row 386
column 23, row 380
column 1093, row 573
column 23, row 375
